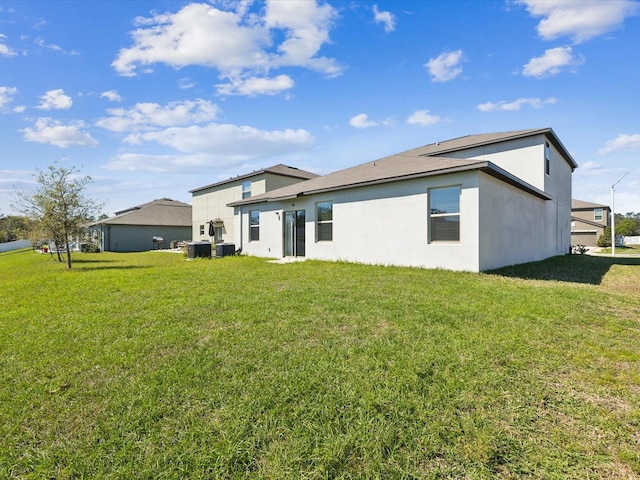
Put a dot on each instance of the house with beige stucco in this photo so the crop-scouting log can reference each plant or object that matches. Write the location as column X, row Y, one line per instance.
column 210, row 210
column 473, row 203
column 588, row 222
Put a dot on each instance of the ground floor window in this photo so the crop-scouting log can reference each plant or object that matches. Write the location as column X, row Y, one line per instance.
column 324, row 221
column 444, row 214
column 201, row 229
column 254, row 225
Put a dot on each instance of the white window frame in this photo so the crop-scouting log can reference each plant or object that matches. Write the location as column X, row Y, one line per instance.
column 246, row 189
column 595, row 215
column 254, row 227
column 445, row 214
column 320, row 223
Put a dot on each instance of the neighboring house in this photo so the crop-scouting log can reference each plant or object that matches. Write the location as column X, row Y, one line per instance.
column 588, row 221
column 149, row 226
column 210, row 202
column 473, row 203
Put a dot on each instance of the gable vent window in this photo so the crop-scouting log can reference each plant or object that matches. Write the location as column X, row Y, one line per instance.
column 547, row 158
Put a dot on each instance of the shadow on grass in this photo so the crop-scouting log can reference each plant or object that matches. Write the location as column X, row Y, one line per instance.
column 567, row 268
column 85, row 260
column 111, row 267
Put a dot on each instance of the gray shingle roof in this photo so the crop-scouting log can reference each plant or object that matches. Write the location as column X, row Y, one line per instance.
column 162, row 212
column 280, row 169
column 582, row 205
column 419, row 162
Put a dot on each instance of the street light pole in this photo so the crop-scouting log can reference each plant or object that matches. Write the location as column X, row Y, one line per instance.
column 613, row 216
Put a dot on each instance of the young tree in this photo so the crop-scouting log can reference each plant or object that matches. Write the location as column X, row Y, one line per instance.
column 58, row 207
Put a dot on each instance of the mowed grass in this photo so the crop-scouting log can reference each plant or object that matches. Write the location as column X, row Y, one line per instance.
column 149, row 366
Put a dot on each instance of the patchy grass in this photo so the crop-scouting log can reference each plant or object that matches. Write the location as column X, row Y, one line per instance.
column 627, row 250
column 150, row 366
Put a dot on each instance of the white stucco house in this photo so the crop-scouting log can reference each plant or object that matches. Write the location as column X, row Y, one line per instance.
column 473, row 203
column 209, row 205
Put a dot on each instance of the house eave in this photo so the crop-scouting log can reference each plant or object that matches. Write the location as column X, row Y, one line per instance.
column 483, row 166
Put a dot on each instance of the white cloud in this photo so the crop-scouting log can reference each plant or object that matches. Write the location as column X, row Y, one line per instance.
column 422, row 117
column 362, row 121
column 47, row 130
column 551, row 63
column 55, row 99
column 386, row 18
column 230, row 140
column 232, row 145
column 239, row 44
column 306, row 27
column 5, row 51
column 111, row 95
column 620, row 143
column 144, row 116
column 6, row 95
column 445, row 66
column 516, row 105
column 142, row 162
column 256, row 86
column 579, row 20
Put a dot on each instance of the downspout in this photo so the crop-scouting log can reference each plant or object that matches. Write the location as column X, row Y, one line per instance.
column 241, row 231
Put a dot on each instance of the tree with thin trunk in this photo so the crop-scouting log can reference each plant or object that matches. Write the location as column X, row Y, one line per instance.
column 58, row 207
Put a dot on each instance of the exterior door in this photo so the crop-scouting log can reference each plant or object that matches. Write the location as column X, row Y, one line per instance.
column 294, row 238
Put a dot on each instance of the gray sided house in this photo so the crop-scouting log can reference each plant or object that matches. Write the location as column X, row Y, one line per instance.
column 148, row 226
column 210, row 202
column 473, row 203
column 588, row 221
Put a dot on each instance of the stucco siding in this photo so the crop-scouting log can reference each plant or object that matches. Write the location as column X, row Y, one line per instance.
column 139, row 238
column 513, row 227
column 211, row 203
column 523, row 157
column 383, row 224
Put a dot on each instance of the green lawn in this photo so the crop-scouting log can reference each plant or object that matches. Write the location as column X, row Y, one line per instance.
column 149, row 366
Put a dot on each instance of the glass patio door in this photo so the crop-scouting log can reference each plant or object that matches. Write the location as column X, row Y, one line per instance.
column 294, row 237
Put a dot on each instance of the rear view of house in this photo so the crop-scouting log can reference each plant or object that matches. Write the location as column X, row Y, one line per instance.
column 210, row 202
column 473, row 203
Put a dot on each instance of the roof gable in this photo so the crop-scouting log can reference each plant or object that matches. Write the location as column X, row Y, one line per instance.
column 582, row 205
column 279, row 169
column 165, row 212
column 428, row 160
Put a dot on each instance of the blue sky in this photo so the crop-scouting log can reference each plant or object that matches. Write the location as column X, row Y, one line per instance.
column 155, row 98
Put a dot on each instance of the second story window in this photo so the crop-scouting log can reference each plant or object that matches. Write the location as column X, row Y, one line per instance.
column 597, row 215
column 246, row 189
column 547, row 158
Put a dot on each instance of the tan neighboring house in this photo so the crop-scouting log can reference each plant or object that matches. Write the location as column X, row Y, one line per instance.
column 588, row 221
column 149, row 226
column 210, row 202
